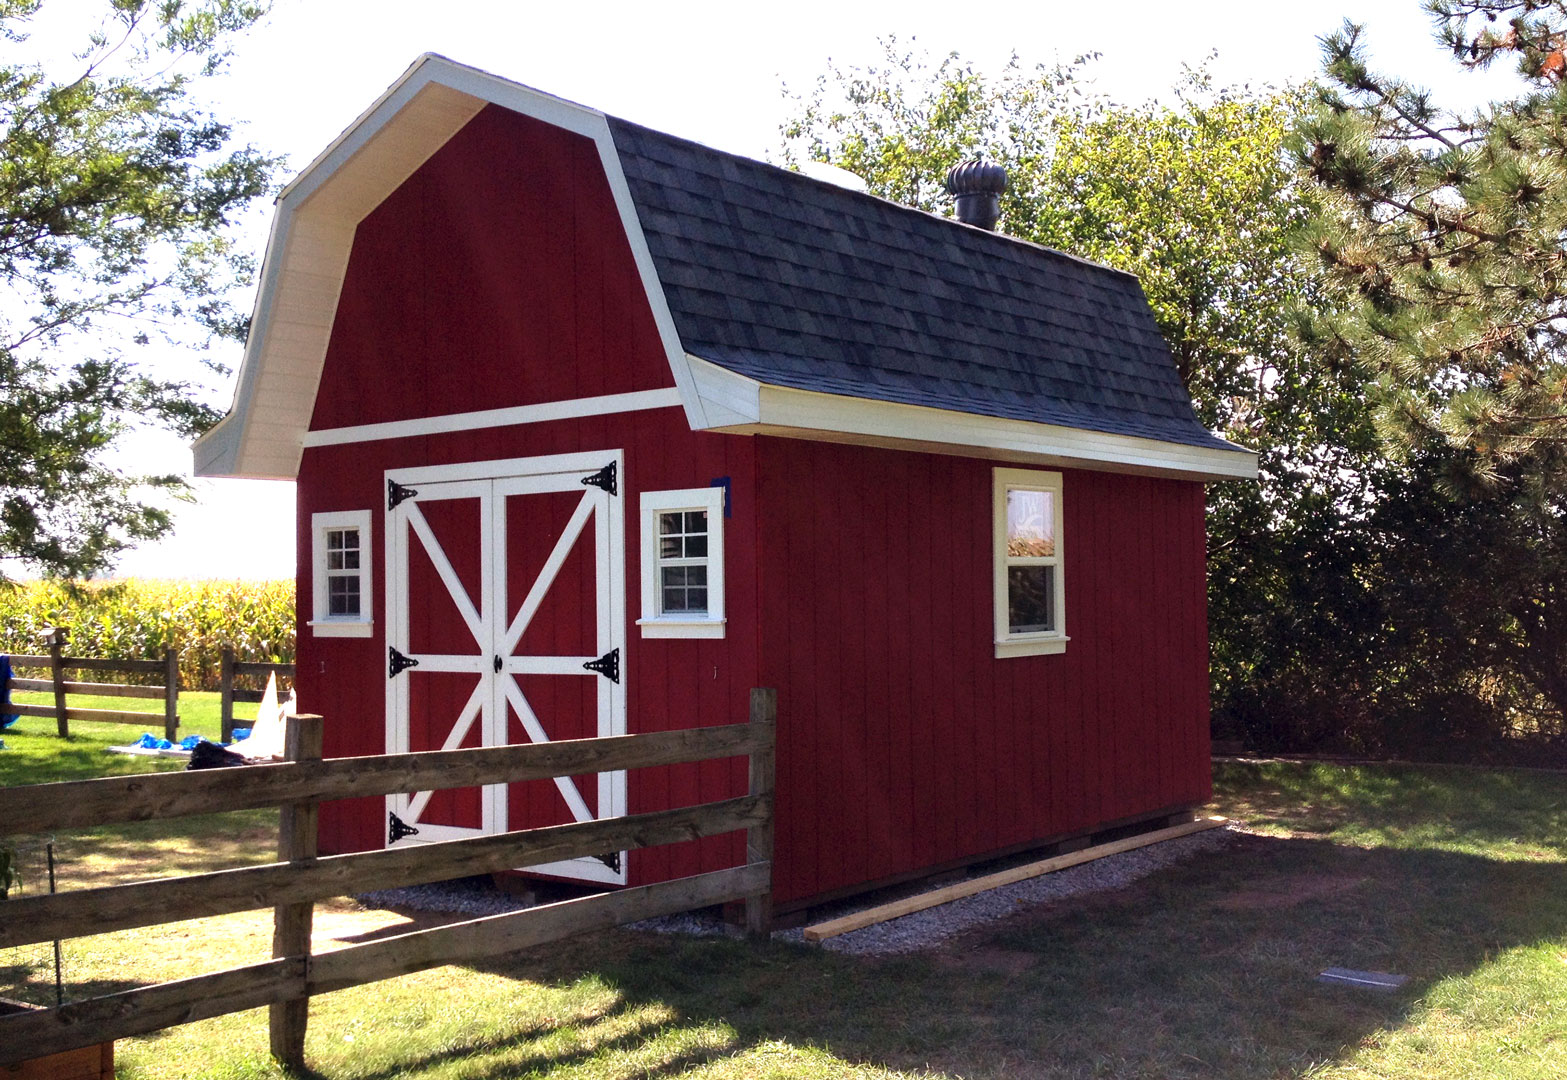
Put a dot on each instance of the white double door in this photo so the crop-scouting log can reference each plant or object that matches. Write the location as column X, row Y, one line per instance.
column 506, row 624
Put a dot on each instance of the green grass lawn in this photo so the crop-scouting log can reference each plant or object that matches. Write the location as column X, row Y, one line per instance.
column 1456, row 878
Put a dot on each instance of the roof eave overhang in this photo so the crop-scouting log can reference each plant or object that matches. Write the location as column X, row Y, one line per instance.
column 312, row 237
column 738, row 404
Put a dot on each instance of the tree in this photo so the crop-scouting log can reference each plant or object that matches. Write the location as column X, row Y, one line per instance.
column 1198, row 200
column 1445, row 231
column 117, row 196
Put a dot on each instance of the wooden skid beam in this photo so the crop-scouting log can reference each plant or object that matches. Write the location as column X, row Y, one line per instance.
column 45, row 917
column 103, row 716
column 43, row 808
column 495, row 935
column 147, row 1009
column 909, row 905
column 104, row 689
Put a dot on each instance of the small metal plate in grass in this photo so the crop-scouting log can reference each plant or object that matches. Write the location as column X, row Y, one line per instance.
column 1367, row 980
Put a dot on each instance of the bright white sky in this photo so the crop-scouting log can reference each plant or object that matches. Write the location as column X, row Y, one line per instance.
column 711, row 72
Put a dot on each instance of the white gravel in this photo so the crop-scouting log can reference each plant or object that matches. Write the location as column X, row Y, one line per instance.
column 911, row 933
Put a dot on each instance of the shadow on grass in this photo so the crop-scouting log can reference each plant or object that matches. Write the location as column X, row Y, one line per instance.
column 1206, row 969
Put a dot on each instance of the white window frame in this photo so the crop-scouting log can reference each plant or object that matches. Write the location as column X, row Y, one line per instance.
column 1036, row 644
column 653, row 622
column 324, row 624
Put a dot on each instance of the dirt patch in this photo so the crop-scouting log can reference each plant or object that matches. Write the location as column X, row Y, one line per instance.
column 1290, row 890
column 990, row 960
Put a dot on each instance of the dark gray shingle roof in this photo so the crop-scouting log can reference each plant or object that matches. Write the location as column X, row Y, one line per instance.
column 799, row 283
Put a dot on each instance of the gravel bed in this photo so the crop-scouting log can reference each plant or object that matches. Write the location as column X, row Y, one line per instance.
column 911, row 933
column 474, row 896
column 929, row 928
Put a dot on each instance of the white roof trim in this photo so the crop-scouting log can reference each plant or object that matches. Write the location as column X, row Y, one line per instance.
column 312, row 236
column 743, row 406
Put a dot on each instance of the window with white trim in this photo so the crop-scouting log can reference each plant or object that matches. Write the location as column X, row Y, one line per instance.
column 1030, row 594
column 683, row 563
column 340, row 574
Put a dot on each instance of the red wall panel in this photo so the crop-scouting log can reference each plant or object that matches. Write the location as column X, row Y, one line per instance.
column 858, row 579
column 903, row 741
column 502, row 265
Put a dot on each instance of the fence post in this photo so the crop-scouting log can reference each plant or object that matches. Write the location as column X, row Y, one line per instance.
column 171, row 694
column 292, row 922
column 226, row 699
column 759, row 838
column 55, row 638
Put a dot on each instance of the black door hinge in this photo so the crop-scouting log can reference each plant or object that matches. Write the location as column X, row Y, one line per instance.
column 607, row 665
column 397, row 663
column 498, row 665
column 396, row 493
column 612, row 860
column 604, row 478
column 397, row 828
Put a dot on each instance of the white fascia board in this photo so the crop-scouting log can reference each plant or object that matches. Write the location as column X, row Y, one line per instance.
column 312, row 237
column 754, row 408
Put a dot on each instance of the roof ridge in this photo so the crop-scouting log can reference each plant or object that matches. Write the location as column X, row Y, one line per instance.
column 982, row 235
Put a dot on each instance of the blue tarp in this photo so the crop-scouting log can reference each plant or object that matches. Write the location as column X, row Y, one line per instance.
column 6, row 719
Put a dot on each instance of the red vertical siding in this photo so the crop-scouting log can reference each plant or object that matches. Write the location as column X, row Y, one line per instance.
column 858, row 580
column 903, row 741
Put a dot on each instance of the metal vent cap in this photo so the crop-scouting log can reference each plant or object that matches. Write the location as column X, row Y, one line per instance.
column 976, row 186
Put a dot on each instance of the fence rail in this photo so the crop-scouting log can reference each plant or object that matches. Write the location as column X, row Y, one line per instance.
column 58, row 664
column 299, row 878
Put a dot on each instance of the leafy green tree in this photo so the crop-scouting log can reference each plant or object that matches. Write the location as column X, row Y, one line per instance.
column 1444, row 232
column 1197, row 199
column 117, row 194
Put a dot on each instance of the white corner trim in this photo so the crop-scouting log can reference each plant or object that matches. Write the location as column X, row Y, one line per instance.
column 340, row 628
column 765, row 409
column 603, row 405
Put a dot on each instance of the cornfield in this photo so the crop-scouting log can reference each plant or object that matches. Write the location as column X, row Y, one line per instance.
column 138, row 619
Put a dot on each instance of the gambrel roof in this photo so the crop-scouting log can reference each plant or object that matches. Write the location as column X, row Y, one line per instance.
column 795, row 282
column 785, row 305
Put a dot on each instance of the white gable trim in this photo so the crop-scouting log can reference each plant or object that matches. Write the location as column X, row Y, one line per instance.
column 744, row 406
column 604, row 405
column 312, row 236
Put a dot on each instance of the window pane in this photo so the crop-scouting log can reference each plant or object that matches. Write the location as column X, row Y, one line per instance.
column 696, row 547
column 1030, row 599
column 669, row 523
column 674, row 599
column 696, row 521
column 674, row 576
column 696, row 601
column 669, row 547
column 696, row 575
column 343, row 595
column 1031, row 524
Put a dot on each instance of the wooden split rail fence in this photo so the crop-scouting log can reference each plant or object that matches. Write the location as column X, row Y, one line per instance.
column 57, row 664
column 299, row 878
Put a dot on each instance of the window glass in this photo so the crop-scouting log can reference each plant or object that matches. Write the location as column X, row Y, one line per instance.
column 1030, row 524
column 1030, row 599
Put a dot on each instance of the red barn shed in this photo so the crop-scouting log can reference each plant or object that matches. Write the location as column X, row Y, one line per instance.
column 596, row 428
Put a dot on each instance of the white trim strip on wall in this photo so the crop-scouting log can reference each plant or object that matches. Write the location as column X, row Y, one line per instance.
column 605, row 404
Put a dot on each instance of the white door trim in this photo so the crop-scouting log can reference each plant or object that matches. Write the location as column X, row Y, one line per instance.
column 492, row 482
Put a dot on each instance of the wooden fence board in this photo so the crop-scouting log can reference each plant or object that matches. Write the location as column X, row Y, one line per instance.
column 44, row 917
column 87, row 663
column 42, row 808
column 495, row 935
column 44, row 686
column 147, row 1009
